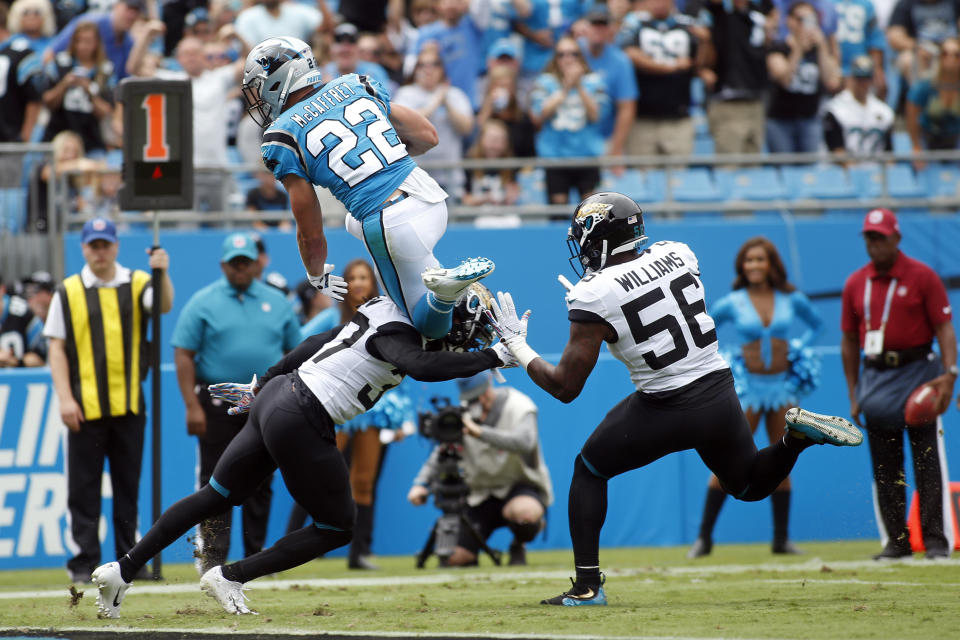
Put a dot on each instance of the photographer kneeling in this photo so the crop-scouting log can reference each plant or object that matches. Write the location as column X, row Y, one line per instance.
column 502, row 465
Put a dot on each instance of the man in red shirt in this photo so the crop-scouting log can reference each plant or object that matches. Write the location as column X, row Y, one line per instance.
column 892, row 309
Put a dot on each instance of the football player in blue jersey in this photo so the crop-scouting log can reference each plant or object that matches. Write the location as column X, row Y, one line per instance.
column 346, row 136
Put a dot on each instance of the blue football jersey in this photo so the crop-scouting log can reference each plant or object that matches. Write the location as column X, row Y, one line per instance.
column 340, row 137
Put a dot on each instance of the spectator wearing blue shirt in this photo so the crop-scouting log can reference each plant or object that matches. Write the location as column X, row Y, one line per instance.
column 859, row 33
column 569, row 104
column 346, row 57
column 229, row 330
column 613, row 65
column 496, row 17
column 114, row 29
column 547, row 22
column 459, row 43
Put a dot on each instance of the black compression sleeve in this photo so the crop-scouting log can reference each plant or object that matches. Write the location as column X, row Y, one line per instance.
column 404, row 350
column 299, row 354
column 833, row 132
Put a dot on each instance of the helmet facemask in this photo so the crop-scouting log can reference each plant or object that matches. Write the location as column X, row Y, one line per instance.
column 471, row 331
column 257, row 107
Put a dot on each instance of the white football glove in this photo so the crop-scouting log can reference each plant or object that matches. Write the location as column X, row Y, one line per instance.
column 236, row 393
column 511, row 328
column 506, row 358
column 329, row 283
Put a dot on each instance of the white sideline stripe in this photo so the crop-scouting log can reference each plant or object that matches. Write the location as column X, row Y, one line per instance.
column 333, row 632
column 886, row 583
column 813, row 564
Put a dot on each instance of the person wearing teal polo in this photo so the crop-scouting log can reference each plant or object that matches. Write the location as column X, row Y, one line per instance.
column 231, row 329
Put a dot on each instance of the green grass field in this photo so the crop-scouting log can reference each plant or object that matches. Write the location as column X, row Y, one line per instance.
column 741, row 591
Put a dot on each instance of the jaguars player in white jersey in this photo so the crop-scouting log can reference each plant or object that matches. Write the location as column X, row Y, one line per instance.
column 326, row 380
column 346, row 136
column 648, row 306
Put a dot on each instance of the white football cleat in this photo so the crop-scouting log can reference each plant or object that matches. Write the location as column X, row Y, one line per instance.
column 229, row 594
column 823, row 429
column 111, row 589
column 449, row 284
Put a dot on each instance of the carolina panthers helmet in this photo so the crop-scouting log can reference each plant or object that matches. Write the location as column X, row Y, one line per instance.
column 471, row 331
column 274, row 69
column 603, row 225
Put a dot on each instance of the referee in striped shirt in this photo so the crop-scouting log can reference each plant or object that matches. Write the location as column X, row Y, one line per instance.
column 97, row 327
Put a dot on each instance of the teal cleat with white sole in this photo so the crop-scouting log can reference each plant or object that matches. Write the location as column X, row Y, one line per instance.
column 823, row 429
column 449, row 284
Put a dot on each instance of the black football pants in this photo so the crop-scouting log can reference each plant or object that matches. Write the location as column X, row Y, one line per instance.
column 287, row 428
column 704, row 415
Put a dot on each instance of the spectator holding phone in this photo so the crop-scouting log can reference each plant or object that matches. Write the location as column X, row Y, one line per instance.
column 80, row 88
column 801, row 68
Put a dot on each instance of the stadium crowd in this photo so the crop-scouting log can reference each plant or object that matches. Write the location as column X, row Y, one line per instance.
column 497, row 78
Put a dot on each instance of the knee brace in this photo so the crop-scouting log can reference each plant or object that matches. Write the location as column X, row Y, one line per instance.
column 525, row 531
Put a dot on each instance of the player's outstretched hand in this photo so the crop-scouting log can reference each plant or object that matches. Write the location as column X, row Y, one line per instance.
column 236, row 393
column 511, row 328
column 503, row 316
column 329, row 284
column 507, row 359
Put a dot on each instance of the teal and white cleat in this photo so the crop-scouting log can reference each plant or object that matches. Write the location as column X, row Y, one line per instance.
column 580, row 596
column 823, row 429
column 448, row 284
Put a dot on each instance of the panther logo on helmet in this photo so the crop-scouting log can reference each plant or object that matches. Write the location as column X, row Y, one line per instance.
column 274, row 69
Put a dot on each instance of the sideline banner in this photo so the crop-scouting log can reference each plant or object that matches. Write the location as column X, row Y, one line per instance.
column 33, row 488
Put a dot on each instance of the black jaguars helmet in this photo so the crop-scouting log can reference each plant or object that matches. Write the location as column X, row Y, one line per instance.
column 603, row 225
column 471, row 331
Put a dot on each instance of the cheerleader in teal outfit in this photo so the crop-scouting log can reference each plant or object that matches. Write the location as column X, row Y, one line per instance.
column 771, row 371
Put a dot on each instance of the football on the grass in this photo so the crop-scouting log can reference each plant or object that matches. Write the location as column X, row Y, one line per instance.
column 921, row 406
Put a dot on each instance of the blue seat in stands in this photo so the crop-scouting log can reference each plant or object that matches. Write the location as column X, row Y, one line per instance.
column 758, row 183
column 901, row 181
column 828, row 182
column 642, row 186
column 703, row 145
column 901, row 142
column 941, row 180
column 533, row 187
column 693, row 185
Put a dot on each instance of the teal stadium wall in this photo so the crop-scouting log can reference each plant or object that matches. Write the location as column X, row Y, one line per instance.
column 659, row 505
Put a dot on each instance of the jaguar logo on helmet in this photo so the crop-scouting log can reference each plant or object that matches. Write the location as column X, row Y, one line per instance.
column 603, row 225
column 471, row 331
column 593, row 208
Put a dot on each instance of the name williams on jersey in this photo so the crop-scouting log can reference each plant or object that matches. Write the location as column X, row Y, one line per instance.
column 652, row 269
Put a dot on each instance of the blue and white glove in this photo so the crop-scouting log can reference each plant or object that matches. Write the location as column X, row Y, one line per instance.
column 236, row 393
column 511, row 328
column 329, row 283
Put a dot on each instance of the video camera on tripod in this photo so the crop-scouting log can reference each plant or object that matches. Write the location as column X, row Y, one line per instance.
column 447, row 484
